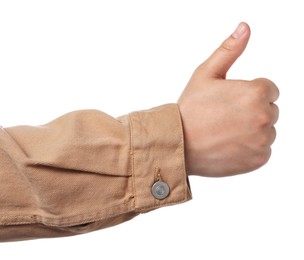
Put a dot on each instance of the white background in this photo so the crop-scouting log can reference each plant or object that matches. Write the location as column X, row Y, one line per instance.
column 121, row 56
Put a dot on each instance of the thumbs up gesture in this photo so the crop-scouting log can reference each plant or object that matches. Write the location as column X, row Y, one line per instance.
column 228, row 124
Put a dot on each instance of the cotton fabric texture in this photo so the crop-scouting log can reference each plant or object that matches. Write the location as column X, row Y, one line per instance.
column 86, row 171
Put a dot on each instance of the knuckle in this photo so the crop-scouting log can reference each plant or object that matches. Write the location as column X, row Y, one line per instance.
column 275, row 107
column 259, row 91
column 264, row 140
column 263, row 119
column 267, row 138
column 265, row 88
column 261, row 159
column 277, row 92
column 273, row 134
column 226, row 48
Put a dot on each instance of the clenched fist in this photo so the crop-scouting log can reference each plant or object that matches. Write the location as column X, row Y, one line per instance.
column 228, row 124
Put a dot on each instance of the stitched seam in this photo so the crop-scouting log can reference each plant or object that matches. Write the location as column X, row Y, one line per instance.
column 181, row 146
column 163, row 205
column 132, row 155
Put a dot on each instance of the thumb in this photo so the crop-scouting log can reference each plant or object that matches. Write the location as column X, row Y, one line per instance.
column 218, row 64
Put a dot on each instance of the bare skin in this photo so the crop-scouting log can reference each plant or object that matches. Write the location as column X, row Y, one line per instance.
column 228, row 124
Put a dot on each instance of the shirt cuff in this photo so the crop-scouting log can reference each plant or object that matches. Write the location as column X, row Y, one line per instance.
column 157, row 157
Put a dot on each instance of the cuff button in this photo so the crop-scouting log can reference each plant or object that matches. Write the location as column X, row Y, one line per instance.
column 160, row 190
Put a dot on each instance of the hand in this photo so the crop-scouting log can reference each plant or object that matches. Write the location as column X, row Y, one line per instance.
column 228, row 124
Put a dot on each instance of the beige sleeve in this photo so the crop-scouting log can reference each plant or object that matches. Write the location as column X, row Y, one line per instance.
column 86, row 170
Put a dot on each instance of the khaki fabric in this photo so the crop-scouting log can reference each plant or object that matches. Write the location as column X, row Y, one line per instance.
column 86, row 170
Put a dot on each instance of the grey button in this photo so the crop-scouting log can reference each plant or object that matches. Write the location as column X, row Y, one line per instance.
column 160, row 190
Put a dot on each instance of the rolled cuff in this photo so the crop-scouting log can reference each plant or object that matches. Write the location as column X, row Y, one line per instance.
column 157, row 154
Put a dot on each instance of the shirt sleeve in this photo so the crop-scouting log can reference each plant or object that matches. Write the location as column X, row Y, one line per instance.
column 86, row 171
